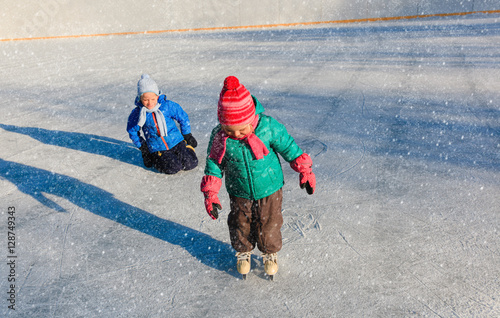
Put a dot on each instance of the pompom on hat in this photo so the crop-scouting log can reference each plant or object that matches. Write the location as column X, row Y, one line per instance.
column 236, row 106
column 147, row 85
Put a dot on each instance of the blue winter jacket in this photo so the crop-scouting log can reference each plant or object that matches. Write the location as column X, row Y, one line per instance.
column 171, row 111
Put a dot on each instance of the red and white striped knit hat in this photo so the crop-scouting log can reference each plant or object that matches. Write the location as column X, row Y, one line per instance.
column 236, row 105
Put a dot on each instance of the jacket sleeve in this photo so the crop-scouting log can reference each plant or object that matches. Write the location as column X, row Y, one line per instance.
column 181, row 117
column 212, row 168
column 133, row 128
column 282, row 142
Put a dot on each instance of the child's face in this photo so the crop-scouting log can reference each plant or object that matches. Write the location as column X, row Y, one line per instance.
column 237, row 131
column 149, row 100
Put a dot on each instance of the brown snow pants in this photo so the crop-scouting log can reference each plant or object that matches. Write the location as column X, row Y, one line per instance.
column 256, row 223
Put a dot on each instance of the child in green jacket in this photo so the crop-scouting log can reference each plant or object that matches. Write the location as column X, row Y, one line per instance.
column 245, row 148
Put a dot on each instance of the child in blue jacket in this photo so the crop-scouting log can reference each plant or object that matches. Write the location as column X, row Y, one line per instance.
column 162, row 145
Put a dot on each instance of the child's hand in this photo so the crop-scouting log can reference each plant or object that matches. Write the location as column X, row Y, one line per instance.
column 214, row 213
column 307, row 179
column 210, row 187
column 190, row 140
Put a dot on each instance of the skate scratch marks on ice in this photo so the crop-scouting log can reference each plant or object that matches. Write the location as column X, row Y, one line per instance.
column 302, row 225
column 348, row 244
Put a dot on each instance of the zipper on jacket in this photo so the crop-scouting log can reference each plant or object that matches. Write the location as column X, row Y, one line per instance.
column 247, row 166
column 158, row 131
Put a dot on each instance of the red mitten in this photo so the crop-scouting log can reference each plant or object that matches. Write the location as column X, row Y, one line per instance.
column 307, row 179
column 210, row 187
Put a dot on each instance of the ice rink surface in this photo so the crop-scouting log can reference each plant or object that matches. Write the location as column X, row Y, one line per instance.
column 402, row 120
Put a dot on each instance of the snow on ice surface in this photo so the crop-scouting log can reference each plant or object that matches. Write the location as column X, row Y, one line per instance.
column 401, row 119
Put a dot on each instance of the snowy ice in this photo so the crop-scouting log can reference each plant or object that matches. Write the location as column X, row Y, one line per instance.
column 402, row 120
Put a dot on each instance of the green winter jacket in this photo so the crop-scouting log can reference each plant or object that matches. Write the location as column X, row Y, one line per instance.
column 247, row 177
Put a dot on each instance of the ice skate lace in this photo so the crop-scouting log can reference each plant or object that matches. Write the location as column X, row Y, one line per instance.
column 243, row 256
column 270, row 257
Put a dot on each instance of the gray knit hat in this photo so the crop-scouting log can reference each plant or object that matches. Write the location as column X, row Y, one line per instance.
column 147, row 85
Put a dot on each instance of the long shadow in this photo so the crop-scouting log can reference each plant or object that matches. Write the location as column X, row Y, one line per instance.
column 35, row 182
column 94, row 144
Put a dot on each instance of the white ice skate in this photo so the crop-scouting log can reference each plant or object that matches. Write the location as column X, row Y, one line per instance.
column 243, row 263
column 270, row 264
